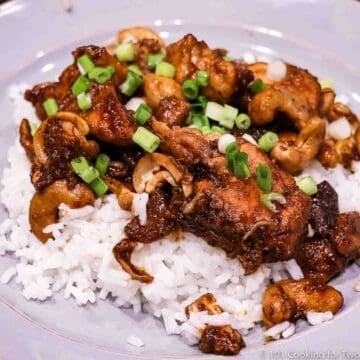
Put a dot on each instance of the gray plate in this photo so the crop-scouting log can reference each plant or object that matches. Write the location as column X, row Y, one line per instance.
column 36, row 38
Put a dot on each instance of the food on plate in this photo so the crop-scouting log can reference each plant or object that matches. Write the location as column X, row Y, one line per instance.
column 177, row 179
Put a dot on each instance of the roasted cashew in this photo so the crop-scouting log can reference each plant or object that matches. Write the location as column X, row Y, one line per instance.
column 138, row 33
column 288, row 300
column 44, row 205
column 294, row 152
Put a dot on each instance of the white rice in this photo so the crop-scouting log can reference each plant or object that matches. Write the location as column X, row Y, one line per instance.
column 79, row 262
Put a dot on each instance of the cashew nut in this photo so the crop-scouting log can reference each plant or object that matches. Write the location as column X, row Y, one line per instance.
column 44, row 205
column 138, row 33
column 124, row 194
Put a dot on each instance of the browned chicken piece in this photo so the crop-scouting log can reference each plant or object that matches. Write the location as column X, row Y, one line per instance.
column 297, row 97
column 324, row 209
column 122, row 253
column 44, row 204
column 189, row 55
column 221, row 340
column 227, row 212
column 288, row 300
column 158, row 87
column 172, row 111
column 61, row 90
column 206, row 302
column 143, row 49
column 108, row 119
column 346, row 235
column 160, row 220
column 26, row 139
column 319, row 260
column 58, row 140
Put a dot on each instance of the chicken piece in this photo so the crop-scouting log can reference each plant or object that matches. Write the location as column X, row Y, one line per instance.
column 206, row 302
column 108, row 119
column 324, row 209
column 143, row 49
column 158, row 87
column 221, row 340
column 58, row 140
column 172, row 111
column 61, row 90
column 288, row 300
column 26, row 139
column 346, row 235
column 228, row 213
column 189, row 55
column 160, row 220
column 319, row 260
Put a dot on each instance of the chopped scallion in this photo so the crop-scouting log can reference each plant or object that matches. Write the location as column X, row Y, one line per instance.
column 227, row 58
column 268, row 141
column 131, row 84
column 82, row 169
column 155, row 59
column 142, row 114
column 190, row 89
column 199, row 120
column 229, row 115
column 146, row 139
column 231, row 150
column 264, row 177
column 242, row 122
column 102, row 163
column 99, row 187
column 50, row 106
column 84, row 101
column 267, row 200
column 125, row 52
column 33, row 128
column 85, row 64
column 307, row 185
column 165, row 69
column 202, row 78
column 81, row 85
column 101, row 74
column 135, row 69
column 219, row 130
column 214, row 111
column 241, row 165
column 257, row 86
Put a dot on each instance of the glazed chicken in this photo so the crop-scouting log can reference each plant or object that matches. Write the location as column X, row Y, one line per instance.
column 166, row 162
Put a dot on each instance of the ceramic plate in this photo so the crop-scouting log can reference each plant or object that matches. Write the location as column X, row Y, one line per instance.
column 36, row 38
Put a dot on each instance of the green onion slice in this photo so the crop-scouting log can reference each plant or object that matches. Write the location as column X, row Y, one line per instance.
column 243, row 122
column 101, row 74
column 264, row 177
column 50, row 106
column 165, row 69
column 125, row 52
column 241, row 165
column 227, row 58
column 267, row 200
column 82, row 169
column 81, row 85
column 142, row 114
column 102, row 163
column 214, row 111
column 219, row 130
column 99, row 187
column 231, row 150
column 190, row 89
column 33, row 128
column 155, row 59
column 307, row 185
column 268, row 141
column 84, row 101
column 131, row 84
column 146, row 139
column 135, row 69
column 202, row 78
column 229, row 115
column 257, row 86
column 85, row 64
column 199, row 120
